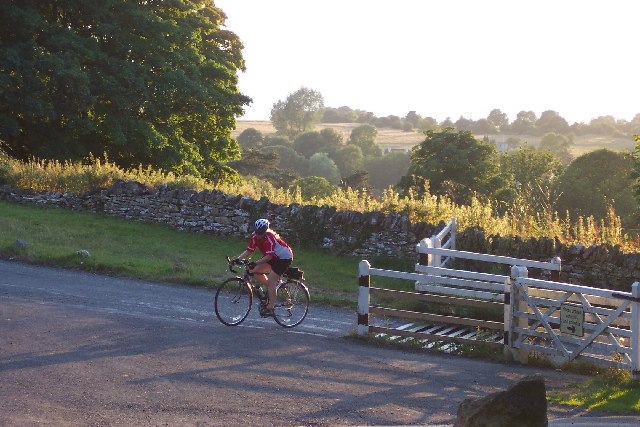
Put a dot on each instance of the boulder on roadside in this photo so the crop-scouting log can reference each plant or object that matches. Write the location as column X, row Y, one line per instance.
column 21, row 244
column 524, row 405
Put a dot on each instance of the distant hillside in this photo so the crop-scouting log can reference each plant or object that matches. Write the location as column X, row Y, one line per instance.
column 393, row 138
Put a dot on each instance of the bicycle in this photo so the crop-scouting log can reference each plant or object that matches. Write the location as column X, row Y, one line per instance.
column 234, row 297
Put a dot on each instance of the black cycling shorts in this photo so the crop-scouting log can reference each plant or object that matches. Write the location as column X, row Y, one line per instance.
column 279, row 266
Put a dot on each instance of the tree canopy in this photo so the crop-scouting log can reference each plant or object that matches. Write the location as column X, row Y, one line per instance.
column 455, row 164
column 148, row 82
column 298, row 113
column 364, row 136
column 597, row 180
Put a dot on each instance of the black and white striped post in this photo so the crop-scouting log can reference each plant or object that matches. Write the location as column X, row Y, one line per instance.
column 364, row 282
column 508, row 317
column 635, row 331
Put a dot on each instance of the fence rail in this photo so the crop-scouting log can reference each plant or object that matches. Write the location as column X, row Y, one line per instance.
column 563, row 321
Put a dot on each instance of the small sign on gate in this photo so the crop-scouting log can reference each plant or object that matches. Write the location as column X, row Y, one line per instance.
column 572, row 319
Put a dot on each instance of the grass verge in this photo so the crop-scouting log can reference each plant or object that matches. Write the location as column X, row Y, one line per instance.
column 601, row 395
column 54, row 236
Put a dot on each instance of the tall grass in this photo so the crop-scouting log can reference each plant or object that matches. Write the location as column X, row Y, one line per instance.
column 519, row 220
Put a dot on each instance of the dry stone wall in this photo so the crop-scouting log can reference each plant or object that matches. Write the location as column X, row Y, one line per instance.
column 364, row 235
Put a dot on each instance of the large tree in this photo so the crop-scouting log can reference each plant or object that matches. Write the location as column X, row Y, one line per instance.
column 298, row 113
column 498, row 120
column 525, row 123
column 532, row 175
column 552, row 121
column 364, row 136
column 148, row 82
column 597, row 180
column 558, row 145
column 456, row 164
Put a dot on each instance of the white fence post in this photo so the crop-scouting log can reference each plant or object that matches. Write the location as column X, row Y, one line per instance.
column 452, row 236
column 364, row 282
column 436, row 259
column 635, row 331
column 555, row 274
column 519, row 303
column 423, row 257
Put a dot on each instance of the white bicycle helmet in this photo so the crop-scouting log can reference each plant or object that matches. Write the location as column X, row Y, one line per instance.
column 261, row 225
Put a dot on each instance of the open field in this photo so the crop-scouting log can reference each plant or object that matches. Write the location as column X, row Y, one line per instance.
column 393, row 138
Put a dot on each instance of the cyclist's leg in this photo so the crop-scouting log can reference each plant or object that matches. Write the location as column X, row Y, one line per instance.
column 260, row 273
column 273, row 278
column 278, row 267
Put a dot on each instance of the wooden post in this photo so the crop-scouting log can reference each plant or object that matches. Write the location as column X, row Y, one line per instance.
column 519, row 303
column 635, row 331
column 364, row 282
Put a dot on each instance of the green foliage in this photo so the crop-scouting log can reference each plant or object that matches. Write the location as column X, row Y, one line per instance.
column 312, row 187
column 498, row 120
column 348, row 159
column 558, row 145
column 298, row 113
column 309, row 143
column 274, row 140
column 532, row 175
column 365, row 137
column 525, row 123
column 151, row 83
column 250, row 138
column 457, row 165
column 358, row 179
column 256, row 162
column 289, row 159
column 387, row 170
column 321, row 165
column 551, row 121
column 596, row 181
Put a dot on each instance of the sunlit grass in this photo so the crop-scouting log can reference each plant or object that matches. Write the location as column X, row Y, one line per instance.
column 600, row 395
column 151, row 251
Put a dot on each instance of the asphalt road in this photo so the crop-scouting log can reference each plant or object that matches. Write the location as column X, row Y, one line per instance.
column 84, row 349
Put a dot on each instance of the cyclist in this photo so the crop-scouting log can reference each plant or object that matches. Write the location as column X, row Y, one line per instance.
column 276, row 259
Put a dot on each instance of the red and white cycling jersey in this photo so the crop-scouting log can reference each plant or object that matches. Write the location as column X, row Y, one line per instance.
column 271, row 244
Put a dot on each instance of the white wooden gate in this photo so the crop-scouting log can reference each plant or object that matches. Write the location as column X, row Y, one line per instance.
column 567, row 322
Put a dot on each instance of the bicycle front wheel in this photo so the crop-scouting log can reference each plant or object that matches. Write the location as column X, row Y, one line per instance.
column 233, row 301
column 292, row 303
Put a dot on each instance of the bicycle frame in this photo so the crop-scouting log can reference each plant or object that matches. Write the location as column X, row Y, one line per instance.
column 247, row 278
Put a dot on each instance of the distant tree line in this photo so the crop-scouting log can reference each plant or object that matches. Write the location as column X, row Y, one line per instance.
column 497, row 122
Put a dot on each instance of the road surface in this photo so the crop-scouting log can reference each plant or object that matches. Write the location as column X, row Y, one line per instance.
column 84, row 349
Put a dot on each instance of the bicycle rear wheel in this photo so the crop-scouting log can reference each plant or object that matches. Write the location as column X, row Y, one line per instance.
column 233, row 301
column 292, row 303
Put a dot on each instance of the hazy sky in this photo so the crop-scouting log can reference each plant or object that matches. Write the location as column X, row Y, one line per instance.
column 443, row 58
